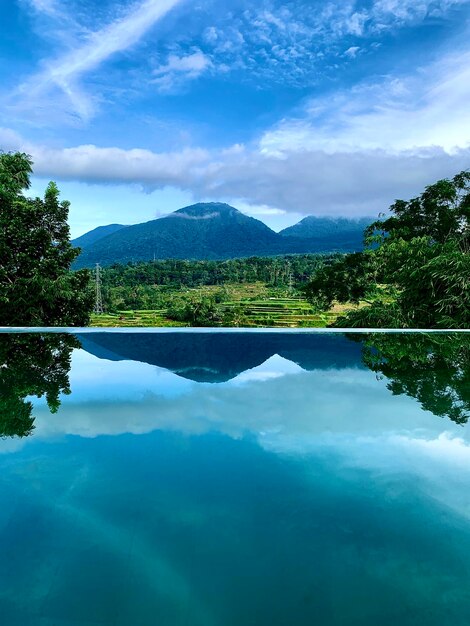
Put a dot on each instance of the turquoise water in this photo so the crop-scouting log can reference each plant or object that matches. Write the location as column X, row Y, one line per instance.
column 234, row 479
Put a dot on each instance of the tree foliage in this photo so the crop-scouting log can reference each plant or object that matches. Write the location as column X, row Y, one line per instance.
column 155, row 284
column 37, row 287
column 416, row 266
column 348, row 279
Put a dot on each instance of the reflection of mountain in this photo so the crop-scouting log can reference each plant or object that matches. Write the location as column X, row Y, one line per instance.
column 217, row 356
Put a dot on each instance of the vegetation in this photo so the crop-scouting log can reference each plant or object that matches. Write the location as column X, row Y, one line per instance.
column 37, row 287
column 96, row 234
column 255, row 291
column 139, row 285
column 415, row 271
column 247, row 304
column 344, row 231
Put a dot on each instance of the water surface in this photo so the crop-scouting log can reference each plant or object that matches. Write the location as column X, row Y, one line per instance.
column 227, row 479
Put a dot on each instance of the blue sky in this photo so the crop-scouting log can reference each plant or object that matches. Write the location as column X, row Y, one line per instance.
column 283, row 109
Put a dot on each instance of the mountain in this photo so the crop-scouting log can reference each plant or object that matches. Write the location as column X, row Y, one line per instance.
column 339, row 229
column 94, row 235
column 200, row 231
column 209, row 231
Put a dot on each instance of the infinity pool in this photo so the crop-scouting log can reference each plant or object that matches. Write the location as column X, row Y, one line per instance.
column 234, row 479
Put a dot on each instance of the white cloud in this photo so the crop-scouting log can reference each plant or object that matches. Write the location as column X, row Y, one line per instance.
column 180, row 68
column 64, row 72
column 408, row 11
column 210, row 34
column 362, row 182
column 425, row 110
column 290, row 43
column 11, row 140
column 254, row 209
column 352, row 153
column 352, row 52
column 341, row 183
column 94, row 164
column 49, row 7
column 267, row 43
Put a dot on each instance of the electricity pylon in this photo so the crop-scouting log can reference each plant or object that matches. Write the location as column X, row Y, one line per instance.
column 98, row 298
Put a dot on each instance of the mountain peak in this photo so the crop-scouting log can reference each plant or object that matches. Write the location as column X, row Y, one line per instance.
column 317, row 226
column 206, row 210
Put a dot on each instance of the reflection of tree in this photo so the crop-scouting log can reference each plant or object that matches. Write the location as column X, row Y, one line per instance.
column 433, row 368
column 31, row 365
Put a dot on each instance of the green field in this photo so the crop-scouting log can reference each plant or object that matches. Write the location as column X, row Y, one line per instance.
column 249, row 305
column 132, row 319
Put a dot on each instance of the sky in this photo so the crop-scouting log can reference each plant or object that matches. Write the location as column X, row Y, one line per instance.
column 283, row 109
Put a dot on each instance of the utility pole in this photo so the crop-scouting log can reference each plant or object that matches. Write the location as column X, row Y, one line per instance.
column 98, row 299
column 290, row 277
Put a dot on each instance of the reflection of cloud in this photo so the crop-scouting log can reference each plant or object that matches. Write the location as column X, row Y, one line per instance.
column 97, row 379
column 424, row 460
column 110, row 398
column 344, row 415
column 412, row 446
column 444, row 448
column 11, row 445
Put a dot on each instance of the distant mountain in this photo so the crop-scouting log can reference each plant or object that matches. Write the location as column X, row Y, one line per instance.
column 312, row 227
column 201, row 231
column 210, row 230
column 94, row 235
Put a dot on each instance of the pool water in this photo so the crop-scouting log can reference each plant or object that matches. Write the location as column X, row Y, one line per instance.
column 228, row 479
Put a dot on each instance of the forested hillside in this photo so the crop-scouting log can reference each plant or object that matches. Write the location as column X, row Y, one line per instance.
column 336, row 229
column 94, row 235
column 210, row 231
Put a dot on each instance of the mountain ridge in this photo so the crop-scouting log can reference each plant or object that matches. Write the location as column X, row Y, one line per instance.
column 315, row 226
column 91, row 236
column 210, row 231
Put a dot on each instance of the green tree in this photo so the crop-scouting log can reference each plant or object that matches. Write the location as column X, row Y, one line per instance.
column 31, row 365
column 416, row 265
column 195, row 310
column 348, row 279
column 37, row 287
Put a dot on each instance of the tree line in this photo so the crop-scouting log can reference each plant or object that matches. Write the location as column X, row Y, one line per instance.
column 155, row 284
